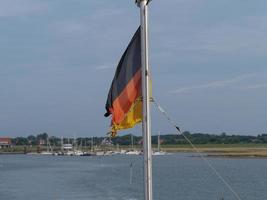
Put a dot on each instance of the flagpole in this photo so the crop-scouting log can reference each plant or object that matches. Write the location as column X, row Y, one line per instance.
column 146, row 124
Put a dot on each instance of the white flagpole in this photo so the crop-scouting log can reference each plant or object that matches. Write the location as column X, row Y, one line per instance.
column 146, row 125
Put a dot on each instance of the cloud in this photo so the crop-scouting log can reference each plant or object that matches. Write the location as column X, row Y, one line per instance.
column 214, row 84
column 74, row 27
column 257, row 86
column 241, row 35
column 21, row 7
column 104, row 67
column 237, row 33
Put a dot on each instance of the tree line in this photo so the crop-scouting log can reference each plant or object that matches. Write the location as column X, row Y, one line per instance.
column 196, row 138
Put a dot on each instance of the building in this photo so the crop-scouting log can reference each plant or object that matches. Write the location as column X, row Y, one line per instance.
column 5, row 142
column 42, row 142
column 67, row 147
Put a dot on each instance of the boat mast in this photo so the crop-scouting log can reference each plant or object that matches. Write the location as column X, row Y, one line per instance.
column 159, row 142
column 47, row 144
column 92, row 144
column 62, row 144
column 74, row 142
column 132, row 142
column 146, row 123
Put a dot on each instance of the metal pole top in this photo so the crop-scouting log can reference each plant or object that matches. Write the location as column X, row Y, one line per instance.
column 139, row 1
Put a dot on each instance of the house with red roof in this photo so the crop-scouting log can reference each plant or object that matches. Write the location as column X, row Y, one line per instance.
column 5, row 142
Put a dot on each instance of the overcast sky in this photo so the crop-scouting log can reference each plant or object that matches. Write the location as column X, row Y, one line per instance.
column 58, row 57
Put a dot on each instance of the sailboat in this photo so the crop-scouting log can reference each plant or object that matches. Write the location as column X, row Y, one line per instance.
column 71, row 149
column 133, row 151
column 91, row 152
column 47, row 152
column 76, row 151
column 159, row 152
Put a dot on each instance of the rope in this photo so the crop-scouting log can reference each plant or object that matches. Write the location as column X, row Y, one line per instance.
column 197, row 150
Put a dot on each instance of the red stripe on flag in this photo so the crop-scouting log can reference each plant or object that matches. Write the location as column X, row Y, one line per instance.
column 127, row 97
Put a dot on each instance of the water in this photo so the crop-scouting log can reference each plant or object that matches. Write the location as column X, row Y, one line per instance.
column 178, row 176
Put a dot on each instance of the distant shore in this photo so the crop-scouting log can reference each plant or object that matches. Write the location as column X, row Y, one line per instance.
column 11, row 153
column 210, row 150
column 224, row 150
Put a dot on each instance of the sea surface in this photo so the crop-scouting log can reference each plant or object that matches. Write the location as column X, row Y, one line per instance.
column 177, row 176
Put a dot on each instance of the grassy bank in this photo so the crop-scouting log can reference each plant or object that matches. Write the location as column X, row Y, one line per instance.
column 218, row 150
column 223, row 150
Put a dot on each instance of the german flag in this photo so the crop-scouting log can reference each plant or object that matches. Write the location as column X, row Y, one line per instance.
column 124, row 98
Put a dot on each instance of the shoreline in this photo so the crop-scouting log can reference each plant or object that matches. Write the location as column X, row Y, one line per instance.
column 12, row 153
column 226, row 152
column 219, row 152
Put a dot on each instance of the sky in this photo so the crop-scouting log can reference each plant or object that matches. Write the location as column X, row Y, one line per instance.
column 58, row 57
